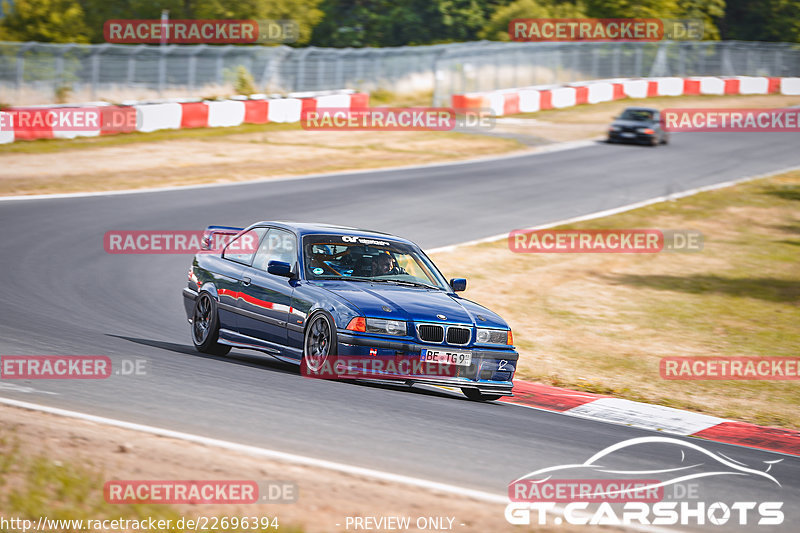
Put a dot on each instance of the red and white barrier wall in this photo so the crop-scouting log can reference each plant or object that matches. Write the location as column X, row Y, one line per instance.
column 537, row 98
column 653, row 417
column 147, row 117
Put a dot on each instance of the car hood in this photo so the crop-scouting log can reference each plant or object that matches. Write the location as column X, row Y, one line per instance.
column 633, row 124
column 383, row 300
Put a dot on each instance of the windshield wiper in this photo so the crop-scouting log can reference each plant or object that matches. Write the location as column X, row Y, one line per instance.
column 396, row 281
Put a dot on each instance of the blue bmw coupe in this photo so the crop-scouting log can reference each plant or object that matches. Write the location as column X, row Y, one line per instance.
column 310, row 294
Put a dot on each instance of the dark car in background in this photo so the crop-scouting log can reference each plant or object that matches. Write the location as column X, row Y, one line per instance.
column 641, row 125
column 309, row 293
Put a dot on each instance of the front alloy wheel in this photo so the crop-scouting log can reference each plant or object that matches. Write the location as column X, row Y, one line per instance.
column 319, row 343
column 205, row 326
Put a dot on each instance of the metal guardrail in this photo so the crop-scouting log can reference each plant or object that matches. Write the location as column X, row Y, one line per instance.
column 110, row 70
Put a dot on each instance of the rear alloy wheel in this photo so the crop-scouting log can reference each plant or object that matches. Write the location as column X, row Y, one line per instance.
column 319, row 343
column 205, row 326
column 478, row 396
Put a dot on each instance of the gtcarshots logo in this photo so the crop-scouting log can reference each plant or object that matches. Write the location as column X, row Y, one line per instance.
column 638, row 498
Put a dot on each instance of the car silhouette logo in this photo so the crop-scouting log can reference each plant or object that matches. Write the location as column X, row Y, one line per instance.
column 681, row 472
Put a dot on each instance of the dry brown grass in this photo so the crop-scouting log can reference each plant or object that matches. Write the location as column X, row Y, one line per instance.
column 601, row 322
column 56, row 467
column 250, row 152
column 232, row 158
column 589, row 121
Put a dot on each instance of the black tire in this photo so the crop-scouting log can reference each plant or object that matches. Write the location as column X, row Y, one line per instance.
column 477, row 396
column 665, row 140
column 319, row 344
column 205, row 326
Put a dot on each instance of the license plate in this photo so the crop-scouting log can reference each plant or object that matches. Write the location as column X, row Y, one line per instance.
column 628, row 134
column 447, row 357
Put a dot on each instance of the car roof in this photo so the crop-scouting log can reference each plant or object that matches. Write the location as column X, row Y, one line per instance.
column 651, row 109
column 310, row 228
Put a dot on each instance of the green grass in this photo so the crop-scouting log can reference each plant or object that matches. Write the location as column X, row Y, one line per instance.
column 34, row 486
column 387, row 98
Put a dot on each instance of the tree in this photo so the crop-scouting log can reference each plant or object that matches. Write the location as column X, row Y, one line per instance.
column 709, row 11
column 633, row 8
column 762, row 20
column 99, row 11
column 50, row 21
column 391, row 23
column 305, row 12
column 497, row 27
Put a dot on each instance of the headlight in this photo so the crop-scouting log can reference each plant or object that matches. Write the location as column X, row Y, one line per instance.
column 386, row 327
column 648, row 131
column 492, row 336
column 613, row 128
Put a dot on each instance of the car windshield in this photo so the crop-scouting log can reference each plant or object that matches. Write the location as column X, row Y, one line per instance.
column 639, row 115
column 368, row 259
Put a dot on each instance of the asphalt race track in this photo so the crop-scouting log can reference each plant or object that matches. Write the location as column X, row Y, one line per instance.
column 63, row 294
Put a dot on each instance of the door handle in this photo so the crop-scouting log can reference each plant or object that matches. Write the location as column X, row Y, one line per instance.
column 246, row 281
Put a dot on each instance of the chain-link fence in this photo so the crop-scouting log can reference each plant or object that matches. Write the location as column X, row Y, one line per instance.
column 40, row 73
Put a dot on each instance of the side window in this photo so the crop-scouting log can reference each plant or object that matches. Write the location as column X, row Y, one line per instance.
column 278, row 245
column 243, row 247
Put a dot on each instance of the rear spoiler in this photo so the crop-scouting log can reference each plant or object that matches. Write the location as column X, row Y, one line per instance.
column 216, row 237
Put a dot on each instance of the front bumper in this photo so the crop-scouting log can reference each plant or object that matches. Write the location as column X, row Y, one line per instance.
column 189, row 296
column 617, row 136
column 491, row 370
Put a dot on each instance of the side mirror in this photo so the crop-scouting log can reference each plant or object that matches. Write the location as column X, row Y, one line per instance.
column 279, row 268
column 458, row 284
